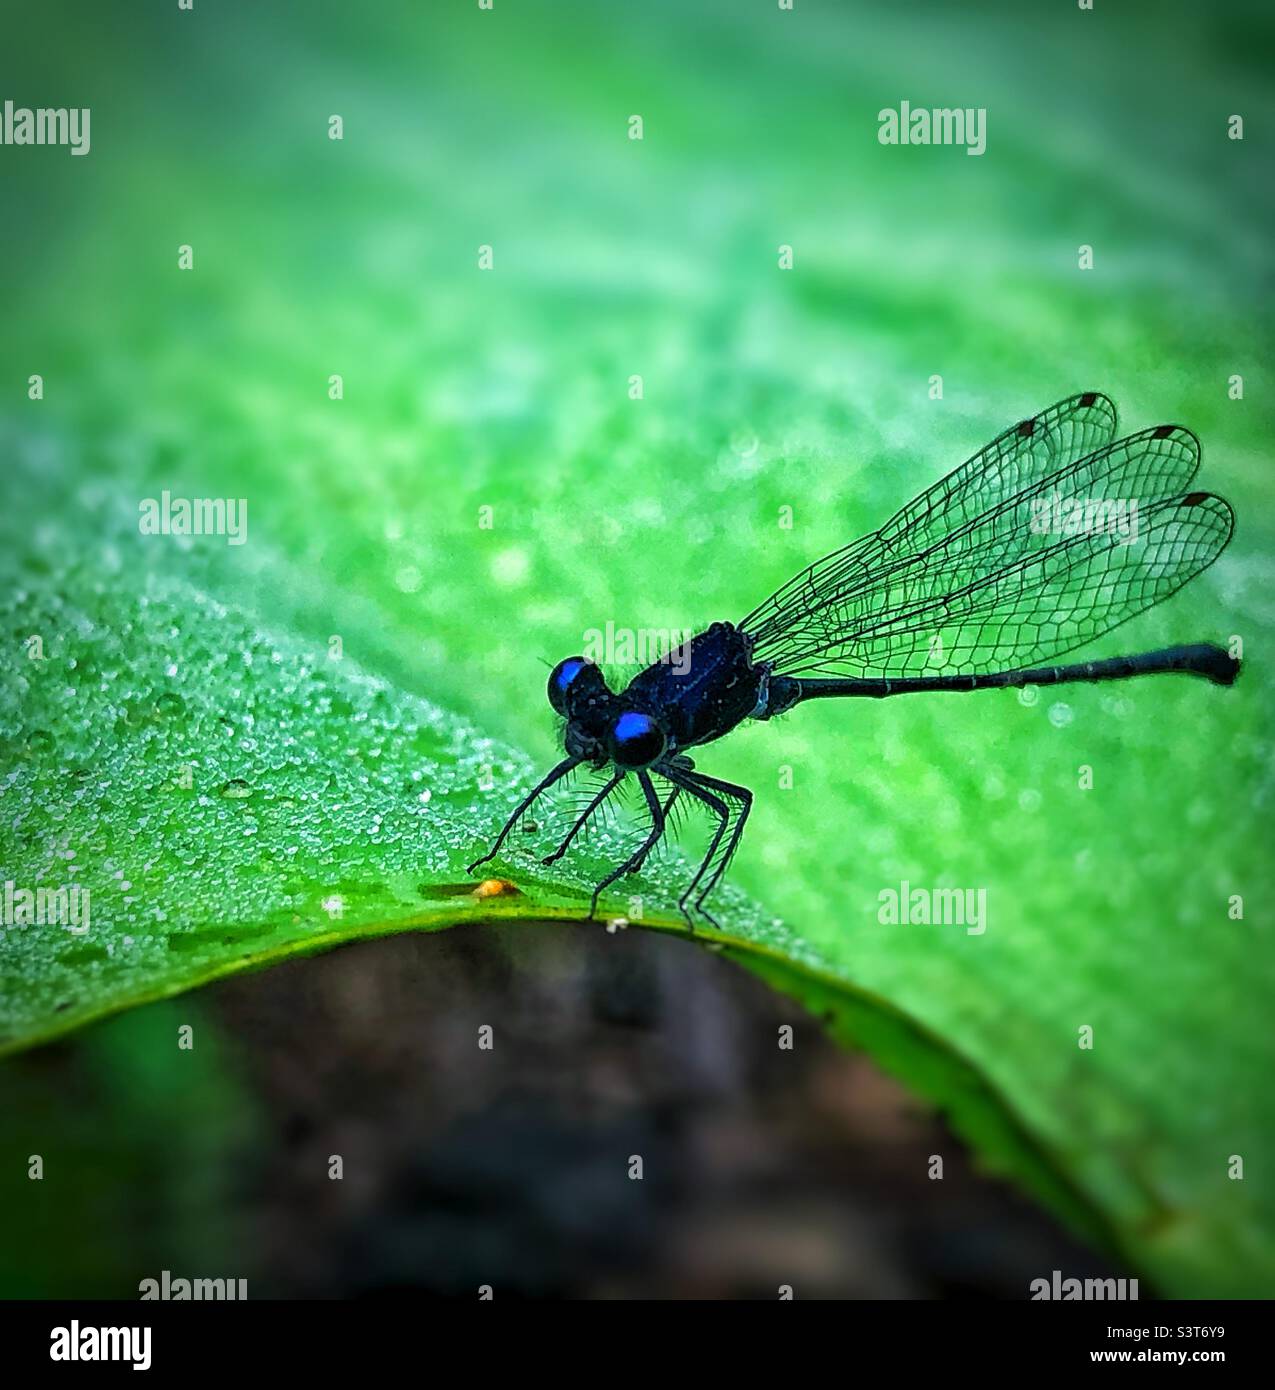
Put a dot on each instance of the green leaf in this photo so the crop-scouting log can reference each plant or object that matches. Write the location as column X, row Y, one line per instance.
column 487, row 490
column 230, row 799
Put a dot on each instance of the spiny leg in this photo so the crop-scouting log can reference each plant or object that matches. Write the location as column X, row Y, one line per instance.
column 683, row 764
column 646, row 849
column 718, row 808
column 727, row 796
column 745, row 799
column 657, row 829
column 556, row 775
column 580, row 820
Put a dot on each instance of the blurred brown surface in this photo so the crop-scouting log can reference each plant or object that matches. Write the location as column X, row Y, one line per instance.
column 510, row 1167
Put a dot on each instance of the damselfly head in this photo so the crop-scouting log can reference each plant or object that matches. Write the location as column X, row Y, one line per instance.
column 578, row 692
column 574, row 682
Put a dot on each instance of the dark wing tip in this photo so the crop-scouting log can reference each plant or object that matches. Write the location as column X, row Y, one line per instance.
column 1087, row 400
column 1096, row 405
column 1214, row 504
column 1179, row 435
column 1218, row 508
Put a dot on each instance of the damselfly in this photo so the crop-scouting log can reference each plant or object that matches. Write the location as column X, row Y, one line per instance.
column 1052, row 535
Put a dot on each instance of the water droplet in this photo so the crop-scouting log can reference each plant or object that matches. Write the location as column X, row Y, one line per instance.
column 235, row 790
column 1060, row 715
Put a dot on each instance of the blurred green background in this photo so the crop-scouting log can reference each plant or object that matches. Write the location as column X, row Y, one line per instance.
column 763, row 388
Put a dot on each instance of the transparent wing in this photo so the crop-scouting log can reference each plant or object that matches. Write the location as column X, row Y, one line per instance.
column 1014, row 460
column 1042, row 571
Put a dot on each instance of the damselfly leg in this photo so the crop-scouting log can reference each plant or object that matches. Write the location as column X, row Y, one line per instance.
column 593, row 805
column 558, row 773
column 631, row 863
column 713, row 794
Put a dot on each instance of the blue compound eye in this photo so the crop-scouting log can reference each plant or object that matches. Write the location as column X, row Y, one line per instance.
column 560, row 681
column 636, row 740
